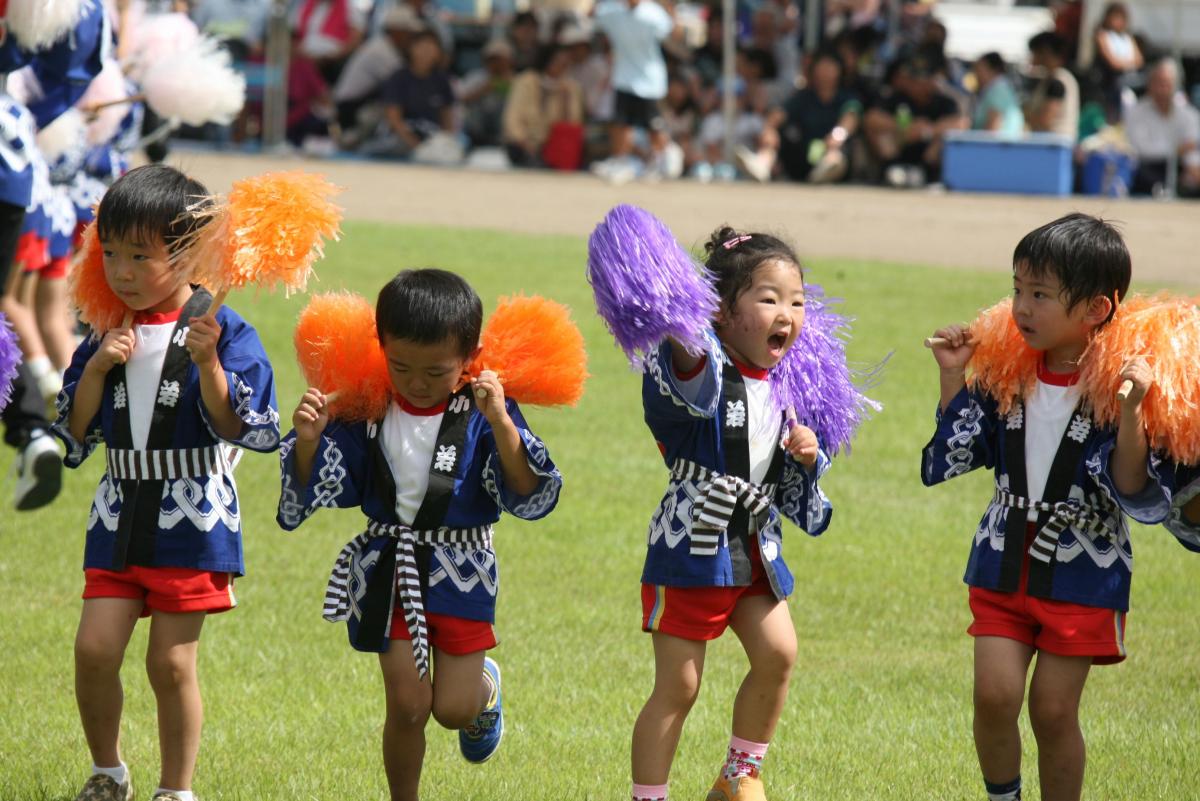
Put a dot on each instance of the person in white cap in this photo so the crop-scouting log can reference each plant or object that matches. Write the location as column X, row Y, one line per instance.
column 371, row 65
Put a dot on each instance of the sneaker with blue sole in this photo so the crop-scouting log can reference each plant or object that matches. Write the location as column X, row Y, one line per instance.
column 480, row 740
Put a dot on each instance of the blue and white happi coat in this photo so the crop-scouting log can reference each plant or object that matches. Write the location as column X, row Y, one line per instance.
column 696, row 539
column 444, row 562
column 1081, row 553
column 194, row 520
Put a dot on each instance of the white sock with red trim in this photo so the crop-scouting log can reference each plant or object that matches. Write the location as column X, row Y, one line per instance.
column 649, row 792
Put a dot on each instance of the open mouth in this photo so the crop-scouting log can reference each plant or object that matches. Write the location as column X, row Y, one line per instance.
column 776, row 343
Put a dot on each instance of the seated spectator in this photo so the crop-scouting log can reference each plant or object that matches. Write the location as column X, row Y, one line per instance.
column 772, row 30
column 1054, row 102
column 328, row 31
column 370, row 66
column 484, row 93
column 755, row 69
column 810, row 131
column 526, row 40
column 996, row 106
column 426, row 12
column 592, row 70
column 1118, row 57
column 418, row 99
column 310, row 107
column 1163, row 122
column 904, row 132
column 681, row 116
column 544, row 101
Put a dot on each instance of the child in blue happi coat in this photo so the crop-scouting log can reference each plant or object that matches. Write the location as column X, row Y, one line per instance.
column 432, row 477
column 169, row 393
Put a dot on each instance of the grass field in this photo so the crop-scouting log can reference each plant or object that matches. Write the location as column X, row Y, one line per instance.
column 880, row 700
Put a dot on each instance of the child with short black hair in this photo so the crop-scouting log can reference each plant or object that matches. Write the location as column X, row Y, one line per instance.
column 432, row 476
column 169, row 393
column 1050, row 564
column 739, row 464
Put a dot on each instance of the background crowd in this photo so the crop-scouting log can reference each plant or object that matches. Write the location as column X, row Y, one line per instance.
column 632, row 88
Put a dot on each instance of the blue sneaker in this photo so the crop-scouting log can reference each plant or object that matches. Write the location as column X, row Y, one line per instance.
column 481, row 739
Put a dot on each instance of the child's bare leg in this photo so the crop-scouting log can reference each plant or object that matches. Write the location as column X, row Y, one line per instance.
column 459, row 690
column 764, row 625
column 678, row 667
column 104, row 629
column 171, row 667
column 409, row 700
column 1000, row 668
column 54, row 323
column 1054, row 695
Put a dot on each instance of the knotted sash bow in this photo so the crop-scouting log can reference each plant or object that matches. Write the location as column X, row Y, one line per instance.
column 714, row 506
column 1066, row 513
column 395, row 571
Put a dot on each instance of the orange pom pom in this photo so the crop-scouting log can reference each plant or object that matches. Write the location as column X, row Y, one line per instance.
column 268, row 231
column 537, row 351
column 338, row 351
column 1166, row 331
column 90, row 293
column 1003, row 365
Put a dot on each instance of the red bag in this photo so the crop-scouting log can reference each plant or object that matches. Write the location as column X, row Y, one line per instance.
column 563, row 149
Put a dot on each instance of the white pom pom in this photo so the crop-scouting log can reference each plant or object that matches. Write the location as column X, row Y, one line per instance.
column 37, row 24
column 107, row 87
column 196, row 86
column 155, row 37
column 67, row 132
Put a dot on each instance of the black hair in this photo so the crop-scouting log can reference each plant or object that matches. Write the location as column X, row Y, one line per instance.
column 150, row 203
column 827, row 53
column 1086, row 254
column 994, row 62
column 1049, row 42
column 525, row 18
column 733, row 256
column 429, row 306
column 546, row 54
column 425, row 33
column 763, row 60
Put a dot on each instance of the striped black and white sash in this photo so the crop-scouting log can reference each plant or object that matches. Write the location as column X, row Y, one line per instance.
column 719, row 497
column 1063, row 514
column 395, row 572
column 127, row 464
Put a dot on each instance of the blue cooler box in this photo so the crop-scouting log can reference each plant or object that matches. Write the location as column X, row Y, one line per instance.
column 1107, row 173
column 1034, row 164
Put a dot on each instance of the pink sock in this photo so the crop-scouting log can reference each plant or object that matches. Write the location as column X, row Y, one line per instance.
column 649, row 792
column 745, row 758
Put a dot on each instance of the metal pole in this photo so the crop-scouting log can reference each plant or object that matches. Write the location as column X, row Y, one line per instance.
column 1177, row 56
column 728, row 72
column 814, row 26
column 275, row 76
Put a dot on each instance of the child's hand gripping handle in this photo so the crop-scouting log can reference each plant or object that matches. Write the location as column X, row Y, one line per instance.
column 1126, row 388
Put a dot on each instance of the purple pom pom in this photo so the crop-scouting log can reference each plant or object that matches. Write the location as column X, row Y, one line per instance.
column 815, row 380
column 10, row 357
column 647, row 287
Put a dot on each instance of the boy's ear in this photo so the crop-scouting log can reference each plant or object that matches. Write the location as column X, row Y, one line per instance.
column 1098, row 310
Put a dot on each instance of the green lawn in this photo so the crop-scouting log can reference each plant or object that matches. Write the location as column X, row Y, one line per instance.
column 880, row 701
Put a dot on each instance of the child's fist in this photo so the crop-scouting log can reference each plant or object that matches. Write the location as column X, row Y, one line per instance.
column 115, row 348
column 202, row 337
column 956, row 349
column 311, row 415
column 801, row 443
column 1135, row 371
column 489, row 396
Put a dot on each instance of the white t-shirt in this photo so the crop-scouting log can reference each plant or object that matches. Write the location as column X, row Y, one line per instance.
column 367, row 68
column 142, row 373
column 1154, row 136
column 636, row 36
column 763, row 426
column 409, row 437
column 1048, row 411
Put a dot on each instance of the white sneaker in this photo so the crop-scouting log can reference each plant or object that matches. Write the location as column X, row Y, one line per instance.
column 753, row 164
column 39, row 472
column 49, row 384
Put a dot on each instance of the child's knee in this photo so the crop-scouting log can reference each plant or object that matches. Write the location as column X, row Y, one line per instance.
column 93, row 653
column 679, row 695
column 777, row 660
column 410, row 710
column 1052, row 716
column 171, row 668
column 997, row 701
column 455, row 711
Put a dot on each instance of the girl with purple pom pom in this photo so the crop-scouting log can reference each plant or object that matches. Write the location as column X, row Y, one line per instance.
column 739, row 463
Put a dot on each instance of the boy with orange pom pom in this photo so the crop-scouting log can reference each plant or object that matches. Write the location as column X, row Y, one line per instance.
column 432, row 476
column 1050, row 564
column 169, row 396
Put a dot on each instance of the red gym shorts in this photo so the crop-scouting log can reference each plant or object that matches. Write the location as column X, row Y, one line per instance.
column 1056, row 627
column 166, row 589
column 697, row 613
column 33, row 252
column 456, row 636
